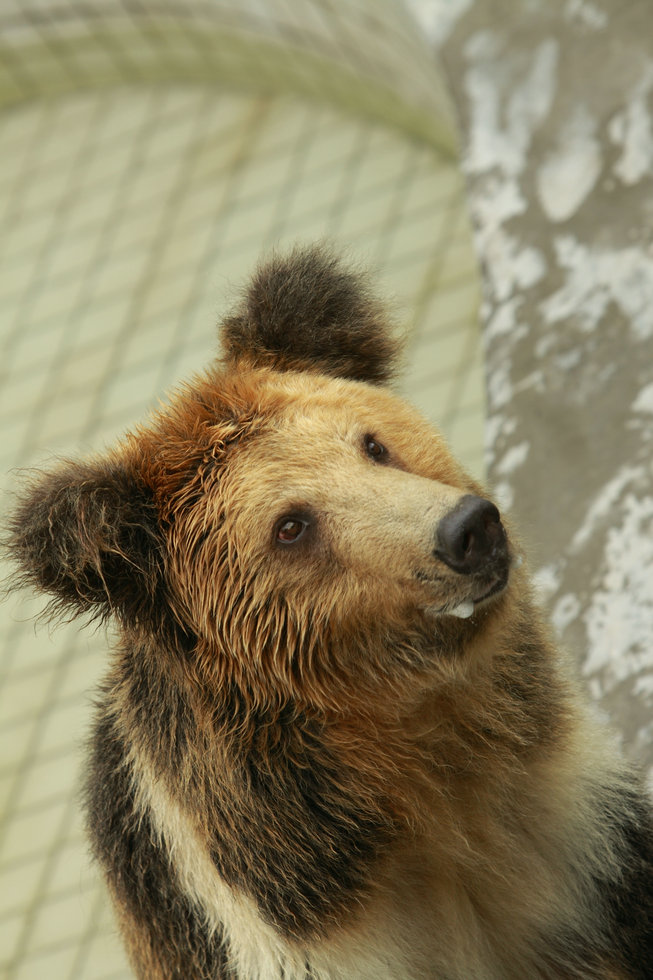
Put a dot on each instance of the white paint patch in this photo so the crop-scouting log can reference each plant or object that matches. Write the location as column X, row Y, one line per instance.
column 566, row 610
column 510, row 266
column 438, row 18
column 530, row 102
column 503, row 496
column 643, row 687
column 587, row 14
column 514, row 458
column 603, row 503
column 535, row 381
column 597, row 277
column 507, row 106
column 500, row 136
column 570, row 171
column 529, row 267
column 644, row 400
column 545, row 344
column 569, row 360
column 501, row 200
column 546, row 581
column 632, row 130
column 493, row 429
column 499, row 387
column 496, row 425
column 619, row 619
column 503, row 320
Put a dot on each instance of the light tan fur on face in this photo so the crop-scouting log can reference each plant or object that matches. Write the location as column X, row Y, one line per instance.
column 374, row 528
column 376, row 522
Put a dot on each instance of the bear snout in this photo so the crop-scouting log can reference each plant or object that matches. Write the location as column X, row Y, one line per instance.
column 471, row 537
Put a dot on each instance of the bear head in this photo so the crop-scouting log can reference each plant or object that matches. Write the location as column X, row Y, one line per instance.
column 286, row 520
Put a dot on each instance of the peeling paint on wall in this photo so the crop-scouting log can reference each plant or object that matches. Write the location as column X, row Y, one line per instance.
column 502, row 122
column 619, row 617
column 437, row 18
column 597, row 277
column 632, row 130
column 570, row 171
column 556, row 105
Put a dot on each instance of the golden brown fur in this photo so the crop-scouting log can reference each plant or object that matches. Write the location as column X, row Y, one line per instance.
column 306, row 763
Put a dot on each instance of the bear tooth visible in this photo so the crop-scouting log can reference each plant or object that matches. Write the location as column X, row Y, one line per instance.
column 463, row 610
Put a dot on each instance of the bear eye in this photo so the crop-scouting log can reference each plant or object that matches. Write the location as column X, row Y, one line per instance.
column 290, row 530
column 375, row 450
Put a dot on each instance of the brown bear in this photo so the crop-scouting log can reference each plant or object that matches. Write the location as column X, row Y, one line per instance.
column 336, row 741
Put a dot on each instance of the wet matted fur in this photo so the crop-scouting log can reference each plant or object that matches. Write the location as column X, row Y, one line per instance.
column 335, row 739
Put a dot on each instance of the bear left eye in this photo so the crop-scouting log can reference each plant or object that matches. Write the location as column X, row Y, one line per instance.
column 291, row 530
column 375, row 450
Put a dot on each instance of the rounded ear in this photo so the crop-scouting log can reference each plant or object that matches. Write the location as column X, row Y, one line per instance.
column 87, row 534
column 305, row 312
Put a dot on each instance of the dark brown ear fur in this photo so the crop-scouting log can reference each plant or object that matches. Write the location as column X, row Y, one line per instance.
column 304, row 312
column 87, row 534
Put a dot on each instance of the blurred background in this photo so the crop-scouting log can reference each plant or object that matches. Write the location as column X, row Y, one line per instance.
column 150, row 154
column 151, row 151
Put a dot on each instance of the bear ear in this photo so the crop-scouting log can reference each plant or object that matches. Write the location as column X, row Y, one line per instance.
column 305, row 312
column 87, row 534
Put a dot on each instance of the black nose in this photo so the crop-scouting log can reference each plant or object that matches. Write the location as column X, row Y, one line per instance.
column 470, row 534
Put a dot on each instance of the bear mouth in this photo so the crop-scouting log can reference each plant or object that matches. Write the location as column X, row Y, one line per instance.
column 497, row 585
column 468, row 606
column 483, row 588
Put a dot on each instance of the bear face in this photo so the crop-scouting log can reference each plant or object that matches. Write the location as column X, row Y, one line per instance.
column 256, row 519
column 330, row 494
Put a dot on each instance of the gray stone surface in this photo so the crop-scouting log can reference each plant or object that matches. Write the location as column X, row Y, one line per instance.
column 555, row 102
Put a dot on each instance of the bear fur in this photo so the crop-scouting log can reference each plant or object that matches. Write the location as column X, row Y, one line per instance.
column 336, row 740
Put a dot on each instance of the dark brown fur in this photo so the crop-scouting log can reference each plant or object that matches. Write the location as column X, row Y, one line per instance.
column 342, row 327
column 304, row 763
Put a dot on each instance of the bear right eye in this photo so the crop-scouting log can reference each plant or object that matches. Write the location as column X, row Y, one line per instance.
column 375, row 450
column 290, row 530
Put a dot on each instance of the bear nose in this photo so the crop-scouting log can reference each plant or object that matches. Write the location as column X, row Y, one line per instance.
column 470, row 534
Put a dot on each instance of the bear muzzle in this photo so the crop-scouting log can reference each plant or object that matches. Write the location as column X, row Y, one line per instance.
column 471, row 540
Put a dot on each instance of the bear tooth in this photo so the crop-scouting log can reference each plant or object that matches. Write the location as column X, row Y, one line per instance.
column 463, row 610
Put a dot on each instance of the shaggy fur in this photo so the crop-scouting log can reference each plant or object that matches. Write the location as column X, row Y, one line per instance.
column 335, row 739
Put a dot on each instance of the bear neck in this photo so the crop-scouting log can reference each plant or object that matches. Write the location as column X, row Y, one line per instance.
column 414, row 724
